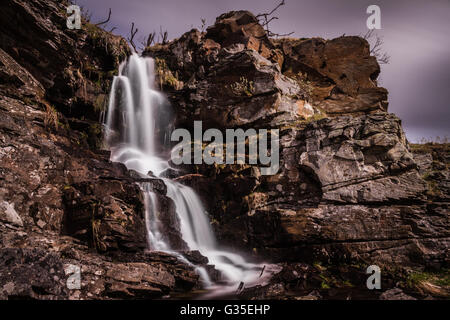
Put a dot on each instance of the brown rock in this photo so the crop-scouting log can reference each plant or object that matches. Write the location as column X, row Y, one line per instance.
column 341, row 71
column 242, row 27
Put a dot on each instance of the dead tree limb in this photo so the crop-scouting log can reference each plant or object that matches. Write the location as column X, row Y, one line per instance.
column 202, row 27
column 107, row 20
column 163, row 35
column 265, row 18
column 282, row 3
column 131, row 38
column 151, row 39
column 268, row 21
column 376, row 47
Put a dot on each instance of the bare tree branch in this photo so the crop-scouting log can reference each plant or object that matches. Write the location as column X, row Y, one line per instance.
column 202, row 27
column 376, row 44
column 282, row 3
column 149, row 41
column 107, row 20
column 164, row 35
column 131, row 38
column 265, row 18
column 268, row 21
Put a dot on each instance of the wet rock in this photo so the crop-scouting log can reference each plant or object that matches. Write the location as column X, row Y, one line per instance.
column 170, row 173
column 195, row 257
column 169, row 223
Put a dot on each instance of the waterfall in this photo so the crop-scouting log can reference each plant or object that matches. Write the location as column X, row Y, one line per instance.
column 132, row 120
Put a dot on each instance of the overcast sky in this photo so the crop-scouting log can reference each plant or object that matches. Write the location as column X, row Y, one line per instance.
column 416, row 35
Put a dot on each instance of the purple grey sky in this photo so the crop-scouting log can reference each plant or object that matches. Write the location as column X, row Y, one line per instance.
column 416, row 35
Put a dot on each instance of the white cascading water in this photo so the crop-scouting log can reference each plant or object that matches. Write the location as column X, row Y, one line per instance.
column 134, row 104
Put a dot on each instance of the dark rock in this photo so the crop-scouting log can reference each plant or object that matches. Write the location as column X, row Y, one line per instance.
column 31, row 274
column 42, row 272
column 195, row 257
column 395, row 294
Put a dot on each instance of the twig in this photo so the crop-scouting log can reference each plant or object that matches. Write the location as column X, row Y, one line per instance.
column 203, row 25
column 163, row 35
column 107, row 20
column 282, row 3
column 132, row 34
column 149, row 41
column 264, row 19
column 377, row 47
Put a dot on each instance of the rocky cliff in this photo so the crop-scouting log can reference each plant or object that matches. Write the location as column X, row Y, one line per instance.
column 350, row 191
column 61, row 199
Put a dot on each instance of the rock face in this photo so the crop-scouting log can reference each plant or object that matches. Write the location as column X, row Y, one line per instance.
column 45, row 272
column 60, row 196
column 341, row 71
column 349, row 189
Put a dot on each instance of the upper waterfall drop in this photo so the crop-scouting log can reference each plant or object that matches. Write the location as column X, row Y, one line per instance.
column 131, row 126
column 130, row 120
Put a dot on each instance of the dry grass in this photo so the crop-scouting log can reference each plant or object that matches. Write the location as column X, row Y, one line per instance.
column 51, row 116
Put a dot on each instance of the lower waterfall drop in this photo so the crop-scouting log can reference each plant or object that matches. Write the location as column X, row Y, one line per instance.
column 132, row 118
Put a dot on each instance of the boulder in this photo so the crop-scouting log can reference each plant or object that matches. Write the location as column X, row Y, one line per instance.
column 242, row 27
column 341, row 73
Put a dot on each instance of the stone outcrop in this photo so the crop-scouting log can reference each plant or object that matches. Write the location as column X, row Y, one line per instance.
column 349, row 189
column 341, row 72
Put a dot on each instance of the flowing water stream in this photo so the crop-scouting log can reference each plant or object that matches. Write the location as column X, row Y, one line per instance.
column 133, row 120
